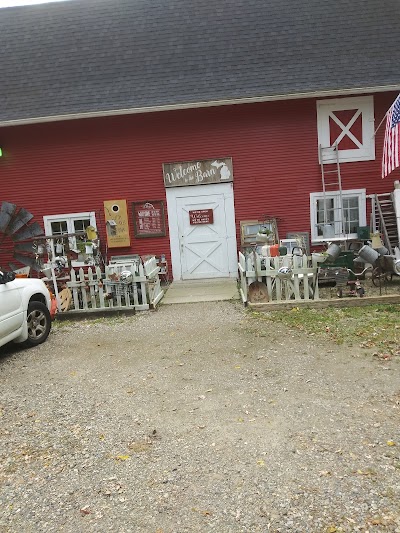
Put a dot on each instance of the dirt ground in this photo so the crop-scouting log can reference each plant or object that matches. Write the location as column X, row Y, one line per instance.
column 197, row 418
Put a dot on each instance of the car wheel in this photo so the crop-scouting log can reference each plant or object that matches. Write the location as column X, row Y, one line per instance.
column 39, row 324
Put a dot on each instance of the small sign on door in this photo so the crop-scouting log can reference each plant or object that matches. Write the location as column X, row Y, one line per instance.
column 201, row 216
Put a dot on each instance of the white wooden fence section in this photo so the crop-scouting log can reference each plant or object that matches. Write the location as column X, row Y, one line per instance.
column 152, row 271
column 301, row 285
column 94, row 290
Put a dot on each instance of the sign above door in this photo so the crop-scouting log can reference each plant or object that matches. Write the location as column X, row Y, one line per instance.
column 198, row 172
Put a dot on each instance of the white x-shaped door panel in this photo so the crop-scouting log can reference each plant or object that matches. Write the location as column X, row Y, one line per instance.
column 346, row 129
column 364, row 140
column 203, row 247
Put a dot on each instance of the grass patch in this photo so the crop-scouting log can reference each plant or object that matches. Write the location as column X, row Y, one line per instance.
column 375, row 326
column 60, row 324
column 110, row 320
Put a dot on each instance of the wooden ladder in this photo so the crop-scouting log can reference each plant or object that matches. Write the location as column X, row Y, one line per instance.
column 384, row 219
column 332, row 182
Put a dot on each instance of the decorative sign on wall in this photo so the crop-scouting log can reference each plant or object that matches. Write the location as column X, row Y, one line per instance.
column 201, row 216
column 148, row 219
column 117, row 225
column 198, row 172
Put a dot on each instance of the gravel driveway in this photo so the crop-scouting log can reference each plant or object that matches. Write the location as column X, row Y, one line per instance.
column 196, row 418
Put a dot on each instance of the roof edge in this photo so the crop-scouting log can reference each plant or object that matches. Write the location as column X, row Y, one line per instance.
column 195, row 105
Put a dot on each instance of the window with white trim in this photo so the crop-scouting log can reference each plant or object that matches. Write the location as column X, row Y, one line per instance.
column 349, row 124
column 69, row 223
column 337, row 216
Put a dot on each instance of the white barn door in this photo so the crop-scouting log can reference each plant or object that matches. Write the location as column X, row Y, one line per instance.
column 203, row 250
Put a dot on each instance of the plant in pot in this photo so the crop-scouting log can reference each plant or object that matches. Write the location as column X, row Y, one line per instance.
column 265, row 235
column 88, row 247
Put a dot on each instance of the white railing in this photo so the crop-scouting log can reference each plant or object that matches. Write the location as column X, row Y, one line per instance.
column 301, row 282
column 93, row 290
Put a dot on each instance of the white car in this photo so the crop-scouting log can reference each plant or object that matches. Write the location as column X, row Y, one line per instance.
column 25, row 305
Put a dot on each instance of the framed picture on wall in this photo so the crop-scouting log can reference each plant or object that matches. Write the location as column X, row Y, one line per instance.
column 148, row 219
column 250, row 228
column 248, row 231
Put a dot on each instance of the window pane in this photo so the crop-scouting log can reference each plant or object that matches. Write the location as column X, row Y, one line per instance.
column 352, row 202
column 326, row 216
column 351, row 214
column 81, row 225
column 58, row 228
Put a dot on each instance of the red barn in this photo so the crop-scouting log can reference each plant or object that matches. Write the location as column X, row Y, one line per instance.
column 165, row 125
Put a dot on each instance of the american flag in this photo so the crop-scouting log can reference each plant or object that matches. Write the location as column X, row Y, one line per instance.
column 390, row 159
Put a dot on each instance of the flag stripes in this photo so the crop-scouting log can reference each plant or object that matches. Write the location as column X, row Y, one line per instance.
column 390, row 158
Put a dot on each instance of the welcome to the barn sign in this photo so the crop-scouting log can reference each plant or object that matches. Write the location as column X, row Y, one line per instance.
column 198, row 172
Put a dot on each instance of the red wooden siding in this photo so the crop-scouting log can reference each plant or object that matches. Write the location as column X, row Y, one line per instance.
column 74, row 166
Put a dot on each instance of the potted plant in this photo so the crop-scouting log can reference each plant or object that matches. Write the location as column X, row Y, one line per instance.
column 265, row 235
column 88, row 247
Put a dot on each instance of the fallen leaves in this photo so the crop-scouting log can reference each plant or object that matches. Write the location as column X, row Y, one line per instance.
column 331, row 529
column 122, row 457
column 140, row 446
column 85, row 510
column 382, row 520
column 203, row 512
column 367, row 472
column 368, row 344
column 325, row 473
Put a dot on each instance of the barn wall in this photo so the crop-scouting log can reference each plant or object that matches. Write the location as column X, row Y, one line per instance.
column 74, row 166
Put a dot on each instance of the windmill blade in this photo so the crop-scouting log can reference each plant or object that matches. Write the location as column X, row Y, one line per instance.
column 7, row 211
column 34, row 230
column 28, row 261
column 25, row 259
column 13, row 267
column 24, row 247
column 20, row 219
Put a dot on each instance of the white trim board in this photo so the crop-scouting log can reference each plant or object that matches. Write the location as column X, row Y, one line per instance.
column 195, row 105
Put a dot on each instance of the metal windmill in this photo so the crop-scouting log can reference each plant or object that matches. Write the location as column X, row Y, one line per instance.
column 18, row 234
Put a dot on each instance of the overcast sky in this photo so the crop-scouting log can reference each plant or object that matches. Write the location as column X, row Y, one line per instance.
column 8, row 3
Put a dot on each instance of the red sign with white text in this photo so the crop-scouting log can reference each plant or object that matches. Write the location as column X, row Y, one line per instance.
column 201, row 216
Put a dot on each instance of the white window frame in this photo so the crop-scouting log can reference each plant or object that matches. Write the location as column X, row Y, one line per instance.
column 69, row 218
column 365, row 107
column 349, row 193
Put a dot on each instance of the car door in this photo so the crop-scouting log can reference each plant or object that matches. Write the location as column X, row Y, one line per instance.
column 11, row 310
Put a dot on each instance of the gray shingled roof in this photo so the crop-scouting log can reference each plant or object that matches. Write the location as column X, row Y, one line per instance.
column 86, row 56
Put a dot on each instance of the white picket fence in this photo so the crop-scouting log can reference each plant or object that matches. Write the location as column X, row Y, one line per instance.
column 302, row 284
column 93, row 290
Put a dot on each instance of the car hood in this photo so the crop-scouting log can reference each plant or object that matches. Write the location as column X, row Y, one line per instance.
column 29, row 283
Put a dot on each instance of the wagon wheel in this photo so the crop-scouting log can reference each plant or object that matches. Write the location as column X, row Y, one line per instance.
column 65, row 297
column 379, row 276
column 17, row 237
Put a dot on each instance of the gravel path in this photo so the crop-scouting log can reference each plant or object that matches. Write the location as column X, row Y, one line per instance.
column 195, row 418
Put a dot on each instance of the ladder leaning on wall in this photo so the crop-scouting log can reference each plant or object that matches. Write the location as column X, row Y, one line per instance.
column 331, row 182
column 383, row 219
